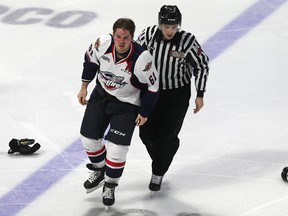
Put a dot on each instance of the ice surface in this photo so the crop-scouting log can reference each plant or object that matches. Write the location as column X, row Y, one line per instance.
column 231, row 153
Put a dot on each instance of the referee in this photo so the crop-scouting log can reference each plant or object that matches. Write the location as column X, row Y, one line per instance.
column 177, row 56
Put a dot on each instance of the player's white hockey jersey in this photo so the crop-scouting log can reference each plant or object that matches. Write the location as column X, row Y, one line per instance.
column 133, row 79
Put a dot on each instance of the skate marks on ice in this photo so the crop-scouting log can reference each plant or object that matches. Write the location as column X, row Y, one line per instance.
column 112, row 211
column 163, row 203
column 41, row 180
column 166, row 202
column 250, row 165
column 133, row 212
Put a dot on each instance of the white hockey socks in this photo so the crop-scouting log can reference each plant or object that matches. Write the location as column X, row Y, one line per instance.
column 95, row 150
column 115, row 162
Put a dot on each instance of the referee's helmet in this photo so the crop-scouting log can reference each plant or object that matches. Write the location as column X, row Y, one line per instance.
column 170, row 15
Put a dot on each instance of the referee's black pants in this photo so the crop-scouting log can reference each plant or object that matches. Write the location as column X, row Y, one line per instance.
column 160, row 133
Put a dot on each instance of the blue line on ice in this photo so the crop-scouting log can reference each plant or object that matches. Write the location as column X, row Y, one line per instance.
column 53, row 171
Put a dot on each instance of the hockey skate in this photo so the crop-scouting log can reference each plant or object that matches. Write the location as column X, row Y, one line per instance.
column 108, row 194
column 96, row 178
column 155, row 184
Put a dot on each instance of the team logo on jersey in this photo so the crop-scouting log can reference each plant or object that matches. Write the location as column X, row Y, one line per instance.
column 97, row 44
column 148, row 66
column 176, row 54
column 111, row 81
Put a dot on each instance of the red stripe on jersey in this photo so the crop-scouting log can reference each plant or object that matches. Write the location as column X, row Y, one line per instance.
column 99, row 152
column 115, row 164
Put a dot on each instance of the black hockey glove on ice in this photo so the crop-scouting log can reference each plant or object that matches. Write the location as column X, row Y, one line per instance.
column 22, row 146
column 284, row 174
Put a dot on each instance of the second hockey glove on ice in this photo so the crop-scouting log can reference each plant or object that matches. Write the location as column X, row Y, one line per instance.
column 284, row 174
column 23, row 146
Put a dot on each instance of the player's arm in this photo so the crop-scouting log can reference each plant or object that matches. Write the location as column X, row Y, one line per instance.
column 90, row 68
column 148, row 75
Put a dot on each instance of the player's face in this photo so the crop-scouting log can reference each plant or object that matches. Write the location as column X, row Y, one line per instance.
column 169, row 31
column 122, row 39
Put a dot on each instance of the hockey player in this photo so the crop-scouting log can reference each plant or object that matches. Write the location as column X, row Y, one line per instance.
column 125, row 93
column 177, row 56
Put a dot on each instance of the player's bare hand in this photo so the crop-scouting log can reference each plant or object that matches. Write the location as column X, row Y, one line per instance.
column 83, row 93
column 140, row 120
column 199, row 103
column 82, row 97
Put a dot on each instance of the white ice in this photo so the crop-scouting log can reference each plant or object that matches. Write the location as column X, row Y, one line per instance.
column 231, row 153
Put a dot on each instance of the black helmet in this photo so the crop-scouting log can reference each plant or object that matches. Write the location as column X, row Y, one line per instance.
column 169, row 14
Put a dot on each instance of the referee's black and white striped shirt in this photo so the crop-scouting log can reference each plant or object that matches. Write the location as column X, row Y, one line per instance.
column 176, row 60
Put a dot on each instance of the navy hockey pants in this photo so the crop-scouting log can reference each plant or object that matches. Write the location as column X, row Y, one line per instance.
column 160, row 133
column 103, row 110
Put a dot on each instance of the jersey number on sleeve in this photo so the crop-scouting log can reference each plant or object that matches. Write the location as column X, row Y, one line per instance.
column 152, row 78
